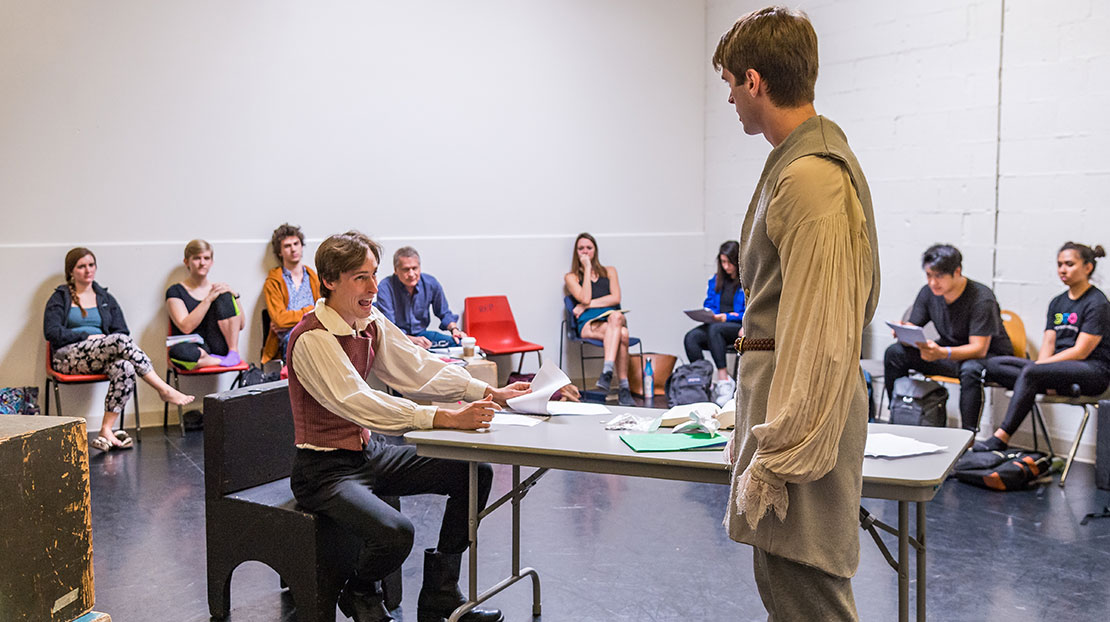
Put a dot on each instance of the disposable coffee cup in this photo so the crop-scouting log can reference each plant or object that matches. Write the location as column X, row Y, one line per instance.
column 468, row 345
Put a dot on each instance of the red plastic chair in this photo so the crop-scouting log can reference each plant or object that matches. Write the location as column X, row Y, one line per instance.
column 55, row 378
column 489, row 319
column 173, row 372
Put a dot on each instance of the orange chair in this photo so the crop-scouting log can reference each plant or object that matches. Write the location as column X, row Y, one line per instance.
column 173, row 372
column 56, row 378
column 489, row 319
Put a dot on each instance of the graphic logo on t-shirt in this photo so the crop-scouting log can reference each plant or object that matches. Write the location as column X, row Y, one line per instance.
column 1071, row 318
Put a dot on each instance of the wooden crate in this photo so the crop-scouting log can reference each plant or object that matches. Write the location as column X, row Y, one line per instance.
column 46, row 533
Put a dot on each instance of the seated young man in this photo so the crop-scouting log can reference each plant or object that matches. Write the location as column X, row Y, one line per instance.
column 968, row 319
column 341, row 469
column 291, row 289
column 406, row 296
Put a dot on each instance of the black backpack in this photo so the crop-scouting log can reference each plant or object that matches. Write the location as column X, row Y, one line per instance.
column 919, row 402
column 690, row 384
column 1002, row 470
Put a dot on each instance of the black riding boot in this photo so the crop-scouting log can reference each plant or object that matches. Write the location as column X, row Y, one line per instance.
column 362, row 604
column 440, row 594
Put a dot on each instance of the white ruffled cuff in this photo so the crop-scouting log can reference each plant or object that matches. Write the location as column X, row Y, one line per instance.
column 758, row 491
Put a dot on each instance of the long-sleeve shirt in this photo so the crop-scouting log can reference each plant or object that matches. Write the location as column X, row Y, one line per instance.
column 410, row 311
column 329, row 377
column 713, row 301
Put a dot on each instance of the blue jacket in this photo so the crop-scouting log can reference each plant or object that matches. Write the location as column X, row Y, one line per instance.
column 713, row 301
column 410, row 313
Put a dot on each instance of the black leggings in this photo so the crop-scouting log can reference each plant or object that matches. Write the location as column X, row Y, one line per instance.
column 345, row 486
column 1027, row 379
column 716, row 338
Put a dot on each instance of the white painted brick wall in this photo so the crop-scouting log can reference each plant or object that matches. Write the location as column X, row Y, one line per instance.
column 915, row 87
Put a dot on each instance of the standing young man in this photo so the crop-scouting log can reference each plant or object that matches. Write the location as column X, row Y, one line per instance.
column 341, row 470
column 809, row 258
column 406, row 296
column 290, row 290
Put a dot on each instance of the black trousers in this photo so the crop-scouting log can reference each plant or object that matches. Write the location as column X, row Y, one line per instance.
column 345, row 486
column 717, row 338
column 1027, row 379
column 900, row 359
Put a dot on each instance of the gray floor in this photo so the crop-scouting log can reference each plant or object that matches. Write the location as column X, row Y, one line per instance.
column 612, row 548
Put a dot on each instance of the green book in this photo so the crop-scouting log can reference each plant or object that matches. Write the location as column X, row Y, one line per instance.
column 673, row 442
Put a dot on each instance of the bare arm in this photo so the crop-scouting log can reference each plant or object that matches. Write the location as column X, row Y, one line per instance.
column 976, row 349
column 1084, row 345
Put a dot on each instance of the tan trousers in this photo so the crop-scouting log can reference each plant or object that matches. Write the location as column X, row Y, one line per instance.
column 796, row 592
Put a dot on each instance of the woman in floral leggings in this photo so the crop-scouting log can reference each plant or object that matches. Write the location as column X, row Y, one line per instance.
column 88, row 335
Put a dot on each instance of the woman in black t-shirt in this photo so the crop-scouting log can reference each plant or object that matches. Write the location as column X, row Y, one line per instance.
column 1075, row 354
column 210, row 310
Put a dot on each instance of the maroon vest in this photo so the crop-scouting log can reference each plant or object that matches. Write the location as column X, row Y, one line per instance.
column 312, row 423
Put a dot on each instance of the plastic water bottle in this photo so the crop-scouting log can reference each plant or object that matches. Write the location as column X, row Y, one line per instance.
column 649, row 384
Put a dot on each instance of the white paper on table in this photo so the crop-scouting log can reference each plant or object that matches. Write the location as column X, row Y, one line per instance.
column 576, row 408
column 503, row 418
column 548, row 380
column 908, row 334
column 884, row 445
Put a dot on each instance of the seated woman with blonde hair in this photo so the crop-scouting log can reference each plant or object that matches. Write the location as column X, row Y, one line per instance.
column 204, row 308
column 88, row 335
column 597, row 291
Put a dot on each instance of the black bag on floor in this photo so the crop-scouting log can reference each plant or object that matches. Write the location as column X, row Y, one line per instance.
column 690, row 384
column 917, row 401
column 1102, row 446
column 1002, row 470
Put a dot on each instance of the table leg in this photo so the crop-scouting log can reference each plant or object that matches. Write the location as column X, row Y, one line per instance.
column 903, row 561
column 920, row 561
column 473, row 524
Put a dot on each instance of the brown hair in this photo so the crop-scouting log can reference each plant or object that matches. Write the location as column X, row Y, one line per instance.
column 341, row 253
column 779, row 44
column 286, row 230
column 1086, row 253
column 72, row 257
column 196, row 247
column 576, row 266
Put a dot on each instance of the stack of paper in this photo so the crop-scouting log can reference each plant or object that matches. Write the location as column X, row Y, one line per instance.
column 883, row 445
column 547, row 381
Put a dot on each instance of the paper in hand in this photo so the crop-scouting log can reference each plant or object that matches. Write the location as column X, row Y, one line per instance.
column 908, row 334
column 547, row 381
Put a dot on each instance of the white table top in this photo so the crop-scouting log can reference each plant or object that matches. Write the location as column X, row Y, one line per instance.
column 581, row 443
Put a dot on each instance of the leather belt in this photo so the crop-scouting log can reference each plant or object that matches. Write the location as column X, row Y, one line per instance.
column 747, row 344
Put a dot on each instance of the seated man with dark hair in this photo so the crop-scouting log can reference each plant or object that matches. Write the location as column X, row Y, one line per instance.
column 406, row 296
column 966, row 316
column 291, row 289
column 341, row 470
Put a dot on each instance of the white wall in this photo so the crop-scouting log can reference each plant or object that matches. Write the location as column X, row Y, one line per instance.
column 487, row 134
column 915, row 85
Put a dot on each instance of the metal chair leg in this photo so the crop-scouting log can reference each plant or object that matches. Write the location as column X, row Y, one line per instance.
column 166, row 407
column 46, row 397
column 1075, row 444
column 58, row 397
column 180, row 412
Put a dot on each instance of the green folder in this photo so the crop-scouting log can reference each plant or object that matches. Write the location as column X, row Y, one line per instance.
column 673, row 442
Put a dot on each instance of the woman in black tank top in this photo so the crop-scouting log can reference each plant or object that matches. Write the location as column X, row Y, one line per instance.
column 597, row 311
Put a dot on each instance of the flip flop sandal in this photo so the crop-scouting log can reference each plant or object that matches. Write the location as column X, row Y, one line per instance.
column 101, row 443
column 125, row 440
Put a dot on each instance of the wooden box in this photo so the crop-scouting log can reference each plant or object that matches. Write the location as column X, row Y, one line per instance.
column 45, row 531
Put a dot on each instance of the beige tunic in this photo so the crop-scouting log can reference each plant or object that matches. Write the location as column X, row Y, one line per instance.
column 809, row 264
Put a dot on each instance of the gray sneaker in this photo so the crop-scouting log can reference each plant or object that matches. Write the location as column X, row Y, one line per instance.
column 723, row 391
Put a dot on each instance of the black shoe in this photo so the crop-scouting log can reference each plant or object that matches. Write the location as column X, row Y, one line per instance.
column 364, row 606
column 624, row 397
column 991, row 444
column 605, row 381
column 440, row 595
